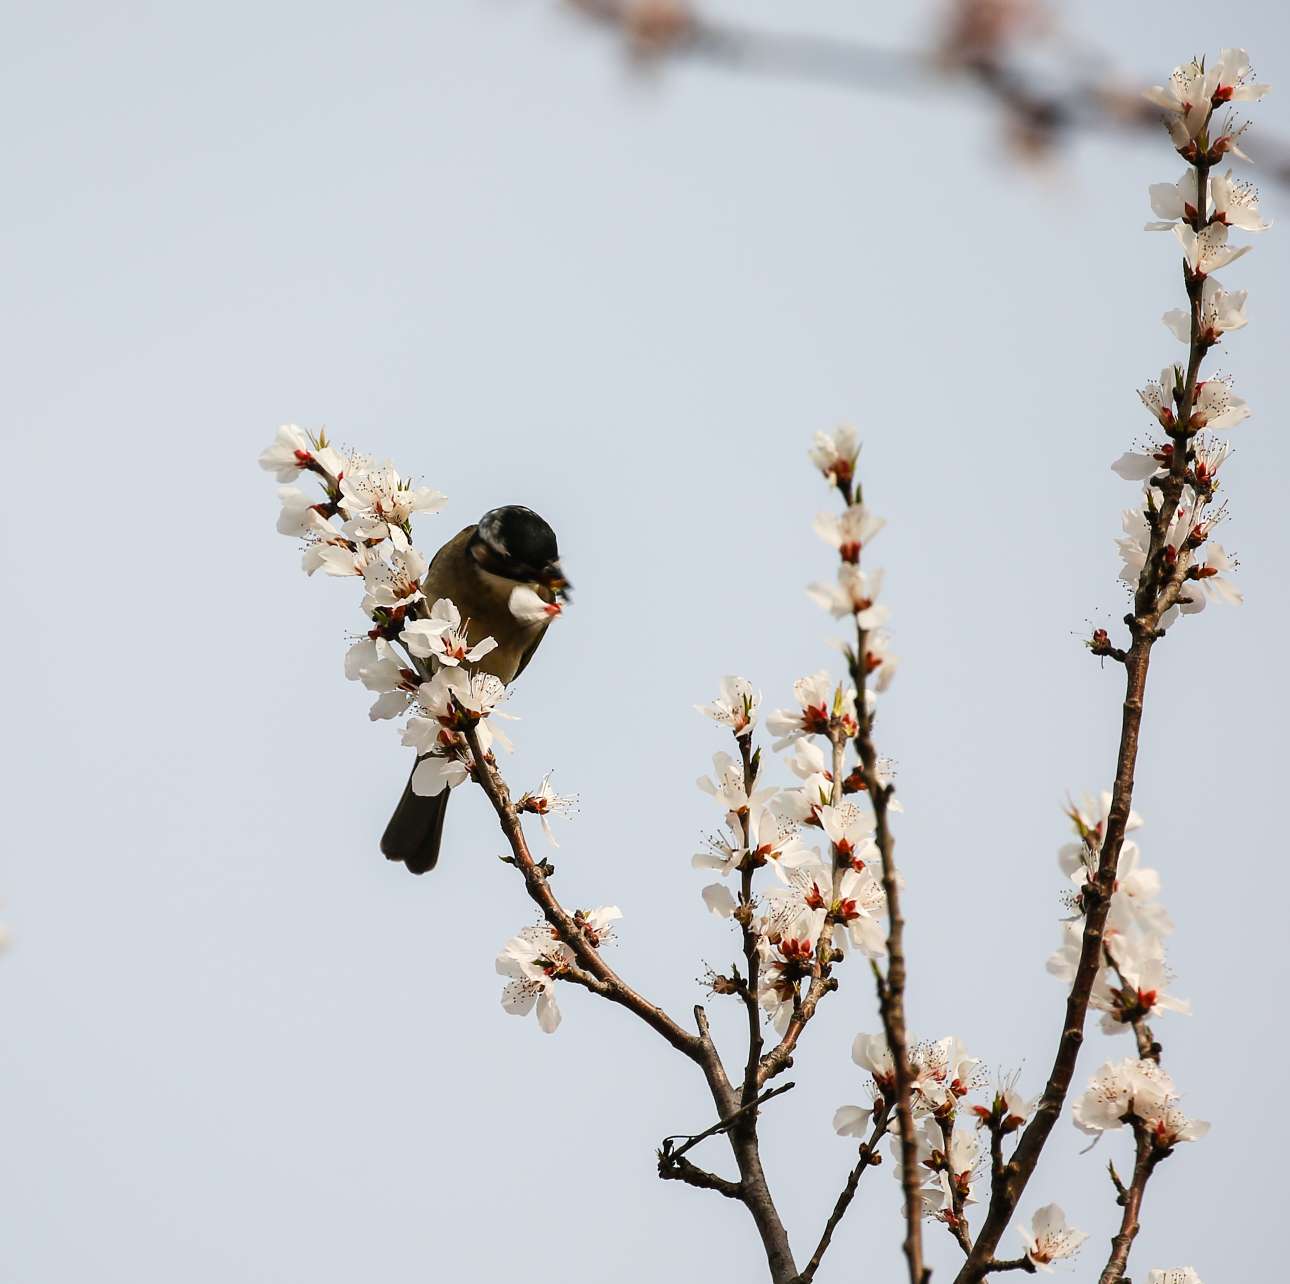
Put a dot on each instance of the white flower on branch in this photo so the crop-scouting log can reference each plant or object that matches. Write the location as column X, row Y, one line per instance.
column 854, row 594
column 450, row 702
column 850, row 900
column 1216, row 406
column 726, row 784
column 849, row 531
column 1235, row 203
column 1134, row 892
column 1172, row 202
column 395, row 583
column 1211, row 575
column 835, row 454
column 533, row 960
column 379, row 504
column 719, row 899
column 440, row 771
column 943, row 1072
column 850, row 829
column 1140, row 994
column 295, row 451
column 544, row 802
column 879, row 663
column 1220, row 311
column 597, row 924
column 373, row 662
column 442, row 637
column 1211, row 454
column 1207, row 251
column 854, row 1121
column 1105, row 1104
column 816, row 699
column 1135, row 1090
column 787, row 959
column 1174, row 1275
column 302, row 517
column 735, row 706
column 454, row 696
column 333, row 554
column 1048, row 1238
column 1194, row 90
column 1186, row 99
column 1008, row 1109
column 775, row 839
column 1139, row 465
column 722, row 853
column 872, row 1053
column 1232, row 202
column 1159, row 397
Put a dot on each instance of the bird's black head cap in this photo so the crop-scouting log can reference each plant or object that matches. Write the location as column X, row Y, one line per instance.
column 522, row 544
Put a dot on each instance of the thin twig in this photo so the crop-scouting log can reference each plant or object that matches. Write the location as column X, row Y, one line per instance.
column 721, row 1125
column 868, row 1159
column 1131, row 1198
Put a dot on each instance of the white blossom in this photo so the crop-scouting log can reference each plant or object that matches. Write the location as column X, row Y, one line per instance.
column 301, row 516
column 849, row 531
column 815, row 700
column 1138, row 1089
column 835, row 455
column 719, row 900
column 1193, row 91
column 394, row 583
column 1236, row 203
column 1049, row 1238
column 533, row 960
column 441, row 637
column 855, row 593
column 1158, row 397
column 726, row 784
column 1207, row 251
column 544, row 803
column 1220, row 311
column 1216, row 406
column 1175, row 1275
column 379, row 504
column 1212, row 578
column 735, row 706
column 294, row 450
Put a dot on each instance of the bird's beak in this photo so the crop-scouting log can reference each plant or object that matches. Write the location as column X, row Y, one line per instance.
column 553, row 579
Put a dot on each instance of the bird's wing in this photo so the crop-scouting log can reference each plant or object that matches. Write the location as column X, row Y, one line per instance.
column 528, row 653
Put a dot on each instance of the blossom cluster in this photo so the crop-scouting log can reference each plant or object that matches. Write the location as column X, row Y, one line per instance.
column 1132, row 979
column 535, row 959
column 1138, row 1092
column 952, row 1156
column 817, row 835
column 1199, row 209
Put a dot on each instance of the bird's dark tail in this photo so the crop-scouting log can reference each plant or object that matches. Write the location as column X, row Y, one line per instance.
column 415, row 830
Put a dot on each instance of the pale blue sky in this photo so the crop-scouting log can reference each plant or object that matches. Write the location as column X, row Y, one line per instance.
column 240, row 1046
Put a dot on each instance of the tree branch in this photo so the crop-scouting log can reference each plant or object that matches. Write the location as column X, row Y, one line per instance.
column 1130, row 1198
column 868, row 1158
column 607, row 982
column 1159, row 586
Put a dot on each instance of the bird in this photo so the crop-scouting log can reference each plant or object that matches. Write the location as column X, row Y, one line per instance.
column 479, row 569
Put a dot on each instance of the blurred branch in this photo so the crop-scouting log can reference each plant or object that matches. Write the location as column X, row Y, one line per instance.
column 1038, row 116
